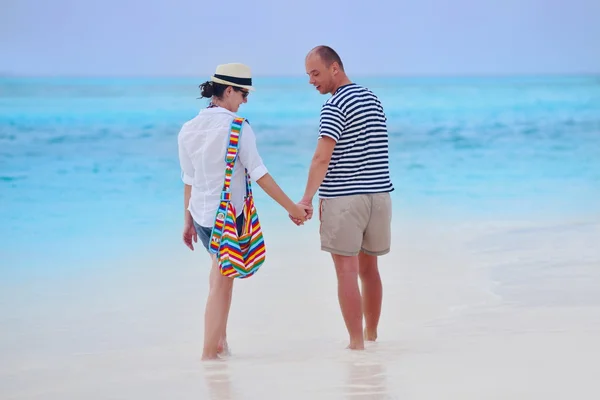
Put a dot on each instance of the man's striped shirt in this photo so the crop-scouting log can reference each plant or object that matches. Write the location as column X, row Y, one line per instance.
column 354, row 118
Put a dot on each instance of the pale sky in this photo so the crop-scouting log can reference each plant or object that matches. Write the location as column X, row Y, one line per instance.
column 424, row 37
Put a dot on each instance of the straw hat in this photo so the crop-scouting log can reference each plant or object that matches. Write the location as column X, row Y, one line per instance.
column 234, row 74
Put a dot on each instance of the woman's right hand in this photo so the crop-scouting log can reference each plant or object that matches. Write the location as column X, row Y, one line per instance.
column 189, row 234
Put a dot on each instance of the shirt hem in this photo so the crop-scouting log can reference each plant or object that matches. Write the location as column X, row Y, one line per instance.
column 202, row 219
column 356, row 193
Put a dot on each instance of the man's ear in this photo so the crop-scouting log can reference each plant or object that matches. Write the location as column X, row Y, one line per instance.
column 335, row 67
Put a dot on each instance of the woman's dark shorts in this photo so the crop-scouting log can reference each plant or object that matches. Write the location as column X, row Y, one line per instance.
column 204, row 232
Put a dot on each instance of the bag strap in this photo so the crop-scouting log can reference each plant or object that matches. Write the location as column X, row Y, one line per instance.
column 231, row 157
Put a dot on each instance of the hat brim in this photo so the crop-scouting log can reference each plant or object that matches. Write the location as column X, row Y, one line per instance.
column 224, row 82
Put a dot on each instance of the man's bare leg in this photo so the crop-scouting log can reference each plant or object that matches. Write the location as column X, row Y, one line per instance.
column 372, row 293
column 217, row 310
column 346, row 268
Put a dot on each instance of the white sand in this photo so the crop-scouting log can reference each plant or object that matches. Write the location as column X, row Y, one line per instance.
column 471, row 311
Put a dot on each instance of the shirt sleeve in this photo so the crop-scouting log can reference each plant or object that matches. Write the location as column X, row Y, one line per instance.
column 332, row 122
column 187, row 167
column 248, row 154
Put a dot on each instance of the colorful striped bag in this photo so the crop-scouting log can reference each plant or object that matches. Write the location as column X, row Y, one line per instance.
column 238, row 256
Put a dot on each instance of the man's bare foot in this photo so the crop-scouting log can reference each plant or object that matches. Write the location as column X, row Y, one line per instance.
column 370, row 336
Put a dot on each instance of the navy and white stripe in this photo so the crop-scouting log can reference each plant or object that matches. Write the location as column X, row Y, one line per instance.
column 354, row 118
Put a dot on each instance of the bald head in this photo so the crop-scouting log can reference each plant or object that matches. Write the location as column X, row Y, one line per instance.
column 327, row 55
column 325, row 69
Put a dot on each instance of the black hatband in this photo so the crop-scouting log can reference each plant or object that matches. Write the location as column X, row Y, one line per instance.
column 233, row 79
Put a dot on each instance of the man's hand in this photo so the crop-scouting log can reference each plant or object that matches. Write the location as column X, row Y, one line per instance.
column 300, row 214
column 307, row 205
column 189, row 235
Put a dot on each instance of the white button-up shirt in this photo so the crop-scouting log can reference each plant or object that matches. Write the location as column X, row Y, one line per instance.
column 202, row 143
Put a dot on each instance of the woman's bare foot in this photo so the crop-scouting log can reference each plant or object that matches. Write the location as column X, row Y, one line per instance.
column 356, row 345
column 221, row 351
column 370, row 336
column 210, row 356
column 223, row 348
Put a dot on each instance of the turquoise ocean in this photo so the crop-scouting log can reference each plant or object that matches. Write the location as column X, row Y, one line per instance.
column 89, row 168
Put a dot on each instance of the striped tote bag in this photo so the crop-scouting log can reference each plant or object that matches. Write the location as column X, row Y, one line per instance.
column 239, row 256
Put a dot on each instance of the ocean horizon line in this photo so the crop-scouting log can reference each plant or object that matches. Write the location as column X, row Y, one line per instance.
column 408, row 76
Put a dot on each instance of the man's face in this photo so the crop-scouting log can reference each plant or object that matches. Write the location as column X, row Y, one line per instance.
column 319, row 75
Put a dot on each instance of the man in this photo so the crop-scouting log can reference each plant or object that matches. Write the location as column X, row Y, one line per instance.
column 350, row 169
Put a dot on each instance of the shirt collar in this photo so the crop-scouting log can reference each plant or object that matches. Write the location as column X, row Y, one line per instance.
column 217, row 110
column 220, row 110
column 343, row 87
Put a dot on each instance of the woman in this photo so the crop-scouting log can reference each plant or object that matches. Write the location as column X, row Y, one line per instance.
column 202, row 144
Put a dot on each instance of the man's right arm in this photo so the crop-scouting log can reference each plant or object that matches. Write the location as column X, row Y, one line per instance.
column 331, row 125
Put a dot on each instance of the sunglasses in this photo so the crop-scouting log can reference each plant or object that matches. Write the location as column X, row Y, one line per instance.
column 245, row 93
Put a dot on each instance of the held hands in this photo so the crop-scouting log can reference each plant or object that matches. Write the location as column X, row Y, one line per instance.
column 305, row 212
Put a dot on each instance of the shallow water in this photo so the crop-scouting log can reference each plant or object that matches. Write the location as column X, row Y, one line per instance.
column 458, row 321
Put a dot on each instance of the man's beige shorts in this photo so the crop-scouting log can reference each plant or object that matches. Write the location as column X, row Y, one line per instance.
column 350, row 224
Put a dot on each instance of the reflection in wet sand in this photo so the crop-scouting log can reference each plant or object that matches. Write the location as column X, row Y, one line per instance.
column 366, row 380
column 218, row 380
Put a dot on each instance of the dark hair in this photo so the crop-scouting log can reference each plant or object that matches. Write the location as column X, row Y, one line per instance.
column 328, row 55
column 210, row 89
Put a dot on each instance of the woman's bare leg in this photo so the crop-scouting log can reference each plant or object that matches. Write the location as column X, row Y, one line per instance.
column 217, row 312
